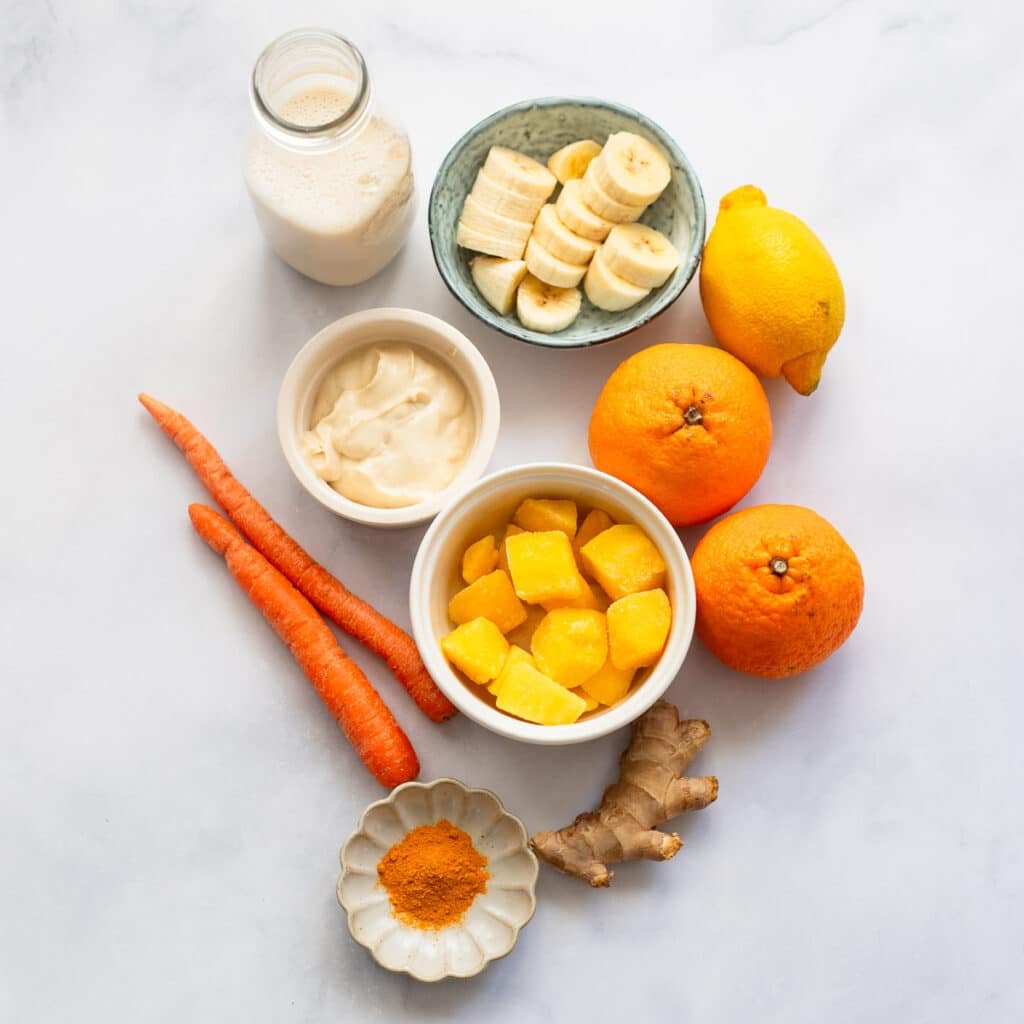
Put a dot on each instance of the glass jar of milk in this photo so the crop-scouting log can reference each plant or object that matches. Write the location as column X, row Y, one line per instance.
column 330, row 176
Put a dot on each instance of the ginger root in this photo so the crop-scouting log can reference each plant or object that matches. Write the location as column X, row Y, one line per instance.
column 649, row 792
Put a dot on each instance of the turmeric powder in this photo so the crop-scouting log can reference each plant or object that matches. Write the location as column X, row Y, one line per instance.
column 433, row 875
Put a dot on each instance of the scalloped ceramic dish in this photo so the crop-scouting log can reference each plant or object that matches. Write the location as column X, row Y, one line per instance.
column 489, row 928
column 537, row 128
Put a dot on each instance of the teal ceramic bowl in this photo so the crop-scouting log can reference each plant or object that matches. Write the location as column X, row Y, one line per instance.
column 538, row 128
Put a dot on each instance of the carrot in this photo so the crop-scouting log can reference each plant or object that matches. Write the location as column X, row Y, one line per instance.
column 349, row 695
column 354, row 615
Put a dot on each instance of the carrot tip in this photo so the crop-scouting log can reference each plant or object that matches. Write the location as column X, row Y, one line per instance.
column 151, row 405
column 212, row 527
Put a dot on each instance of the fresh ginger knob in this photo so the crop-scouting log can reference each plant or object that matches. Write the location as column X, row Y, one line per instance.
column 649, row 792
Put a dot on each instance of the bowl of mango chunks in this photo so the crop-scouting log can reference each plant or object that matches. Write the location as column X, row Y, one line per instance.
column 552, row 603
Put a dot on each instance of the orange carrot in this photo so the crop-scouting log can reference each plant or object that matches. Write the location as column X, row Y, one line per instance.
column 354, row 615
column 349, row 695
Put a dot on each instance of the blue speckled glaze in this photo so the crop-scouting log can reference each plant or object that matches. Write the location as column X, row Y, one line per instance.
column 538, row 128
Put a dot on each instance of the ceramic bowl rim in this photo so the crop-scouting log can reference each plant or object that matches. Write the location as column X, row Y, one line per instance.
column 663, row 673
column 328, row 345
column 360, row 829
column 671, row 291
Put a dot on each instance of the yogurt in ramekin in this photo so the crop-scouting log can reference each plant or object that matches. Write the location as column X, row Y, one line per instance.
column 440, row 355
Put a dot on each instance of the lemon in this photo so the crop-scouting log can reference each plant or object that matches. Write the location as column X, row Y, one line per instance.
column 771, row 292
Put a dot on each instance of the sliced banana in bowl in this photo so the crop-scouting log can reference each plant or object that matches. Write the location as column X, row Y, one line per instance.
column 609, row 291
column 606, row 206
column 543, row 307
column 478, row 217
column 640, row 254
column 561, row 240
column 577, row 216
column 566, row 194
column 498, row 280
column 492, row 245
column 549, row 268
column 572, row 161
column 520, row 173
column 630, row 169
column 500, row 199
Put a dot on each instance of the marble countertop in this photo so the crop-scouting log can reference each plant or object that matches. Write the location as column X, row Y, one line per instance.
column 173, row 796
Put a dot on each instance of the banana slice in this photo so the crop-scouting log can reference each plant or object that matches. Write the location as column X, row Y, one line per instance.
column 497, row 280
column 506, row 247
column 577, row 216
column 631, row 170
column 559, row 240
column 549, row 268
column 519, row 173
column 571, row 161
column 479, row 218
column 603, row 204
column 608, row 291
column 503, row 201
column 542, row 307
column 640, row 254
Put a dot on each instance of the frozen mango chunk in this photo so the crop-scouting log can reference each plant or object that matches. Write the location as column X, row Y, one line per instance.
column 571, row 644
column 528, row 693
column 490, row 597
column 591, row 597
column 542, row 567
column 480, row 558
column 624, row 560
column 537, row 515
column 609, row 684
column 510, row 531
column 587, row 699
column 596, row 521
column 638, row 626
column 477, row 648
column 515, row 655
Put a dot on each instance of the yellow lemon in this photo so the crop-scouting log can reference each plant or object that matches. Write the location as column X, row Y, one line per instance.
column 771, row 292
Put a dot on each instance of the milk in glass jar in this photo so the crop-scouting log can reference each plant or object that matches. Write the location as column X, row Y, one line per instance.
column 329, row 174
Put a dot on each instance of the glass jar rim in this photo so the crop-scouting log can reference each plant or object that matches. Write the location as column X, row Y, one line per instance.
column 350, row 114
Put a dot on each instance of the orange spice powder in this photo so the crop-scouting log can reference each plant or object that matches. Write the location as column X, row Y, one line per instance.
column 433, row 875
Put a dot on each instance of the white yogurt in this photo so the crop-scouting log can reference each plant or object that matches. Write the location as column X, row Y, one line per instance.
column 391, row 426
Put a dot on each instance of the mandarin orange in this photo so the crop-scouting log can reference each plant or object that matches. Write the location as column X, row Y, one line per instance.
column 778, row 590
column 686, row 425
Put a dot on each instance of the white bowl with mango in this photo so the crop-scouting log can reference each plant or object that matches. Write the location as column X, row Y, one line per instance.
column 552, row 603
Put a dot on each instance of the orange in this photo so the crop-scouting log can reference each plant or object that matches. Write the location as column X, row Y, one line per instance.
column 770, row 290
column 686, row 425
column 778, row 590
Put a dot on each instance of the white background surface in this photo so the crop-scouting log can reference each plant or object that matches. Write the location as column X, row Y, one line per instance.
column 173, row 795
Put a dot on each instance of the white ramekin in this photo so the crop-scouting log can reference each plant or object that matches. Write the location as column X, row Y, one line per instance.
column 483, row 508
column 324, row 350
